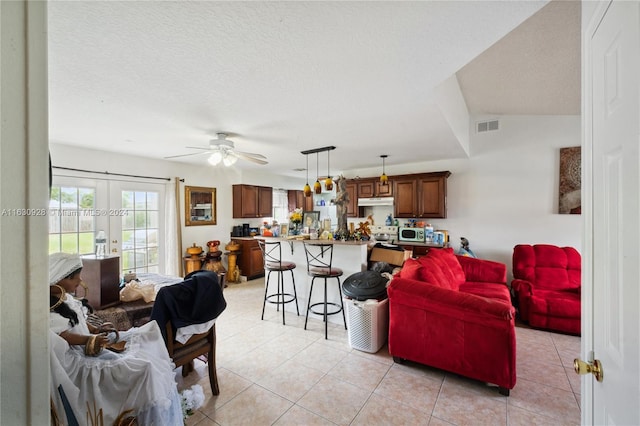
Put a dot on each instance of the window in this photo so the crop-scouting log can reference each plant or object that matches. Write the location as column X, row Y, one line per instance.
column 280, row 205
column 72, row 219
column 140, row 231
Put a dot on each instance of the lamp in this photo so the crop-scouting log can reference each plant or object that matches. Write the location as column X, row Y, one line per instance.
column 384, row 180
column 215, row 158
column 307, row 188
column 328, row 182
column 317, row 188
column 229, row 159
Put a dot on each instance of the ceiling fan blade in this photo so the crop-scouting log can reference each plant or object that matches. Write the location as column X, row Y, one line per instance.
column 187, row 155
column 250, row 154
column 247, row 157
column 206, row 148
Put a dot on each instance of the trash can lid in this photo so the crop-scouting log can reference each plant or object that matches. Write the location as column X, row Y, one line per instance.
column 365, row 285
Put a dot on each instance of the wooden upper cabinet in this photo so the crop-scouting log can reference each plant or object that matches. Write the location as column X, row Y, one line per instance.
column 250, row 201
column 297, row 200
column 352, row 190
column 405, row 199
column 432, row 200
column 368, row 188
column 265, row 201
column 421, row 195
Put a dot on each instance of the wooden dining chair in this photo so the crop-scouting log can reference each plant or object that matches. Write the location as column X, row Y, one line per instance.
column 183, row 354
column 198, row 345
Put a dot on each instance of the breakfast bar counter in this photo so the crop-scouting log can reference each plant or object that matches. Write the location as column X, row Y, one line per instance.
column 350, row 256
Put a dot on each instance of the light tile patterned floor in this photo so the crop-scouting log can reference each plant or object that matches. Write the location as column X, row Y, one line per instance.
column 270, row 374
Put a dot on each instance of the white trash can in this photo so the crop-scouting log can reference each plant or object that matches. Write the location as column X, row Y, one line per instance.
column 367, row 323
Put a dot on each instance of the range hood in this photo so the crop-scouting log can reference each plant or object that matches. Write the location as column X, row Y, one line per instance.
column 375, row 201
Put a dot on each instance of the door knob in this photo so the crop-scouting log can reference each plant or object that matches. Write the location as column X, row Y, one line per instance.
column 594, row 368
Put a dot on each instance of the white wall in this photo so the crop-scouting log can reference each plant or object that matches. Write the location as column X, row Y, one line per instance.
column 505, row 194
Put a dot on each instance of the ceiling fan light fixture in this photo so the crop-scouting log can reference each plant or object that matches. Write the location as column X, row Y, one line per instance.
column 215, row 158
column 229, row 159
column 384, row 180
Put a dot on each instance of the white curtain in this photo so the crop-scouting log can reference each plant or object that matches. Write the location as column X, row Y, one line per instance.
column 171, row 260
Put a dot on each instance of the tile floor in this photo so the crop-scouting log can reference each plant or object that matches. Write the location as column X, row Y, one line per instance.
column 270, row 374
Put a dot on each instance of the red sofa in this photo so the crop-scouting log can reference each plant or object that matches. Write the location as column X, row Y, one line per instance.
column 546, row 286
column 454, row 313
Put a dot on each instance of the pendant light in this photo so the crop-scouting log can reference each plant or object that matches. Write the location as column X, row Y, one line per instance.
column 317, row 188
column 384, row 180
column 307, row 188
column 328, row 183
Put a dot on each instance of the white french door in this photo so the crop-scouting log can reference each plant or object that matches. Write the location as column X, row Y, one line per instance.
column 136, row 225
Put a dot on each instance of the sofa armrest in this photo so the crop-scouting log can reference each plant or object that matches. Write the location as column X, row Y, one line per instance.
column 425, row 296
column 481, row 270
column 522, row 287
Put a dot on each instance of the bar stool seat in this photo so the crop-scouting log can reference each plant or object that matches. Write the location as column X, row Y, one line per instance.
column 272, row 261
column 319, row 265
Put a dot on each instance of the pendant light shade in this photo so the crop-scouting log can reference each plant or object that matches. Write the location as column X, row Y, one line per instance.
column 317, row 188
column 328, row 182
column 384, row 180
column 307, row 188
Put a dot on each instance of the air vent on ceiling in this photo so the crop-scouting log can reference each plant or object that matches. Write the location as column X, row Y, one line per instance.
column 487, row 126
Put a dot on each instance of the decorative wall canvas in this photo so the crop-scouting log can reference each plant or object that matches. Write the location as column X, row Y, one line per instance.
column 570, row 181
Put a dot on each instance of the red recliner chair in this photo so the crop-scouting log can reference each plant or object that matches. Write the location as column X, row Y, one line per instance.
column 546, row 286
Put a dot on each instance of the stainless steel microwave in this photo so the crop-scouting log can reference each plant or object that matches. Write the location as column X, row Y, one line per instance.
column 411, row 234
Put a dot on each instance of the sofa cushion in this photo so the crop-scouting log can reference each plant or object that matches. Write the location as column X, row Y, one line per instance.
column 432, row 273
column 448, row 257
column 488, row 290
column 556, row 303
column 410, row 269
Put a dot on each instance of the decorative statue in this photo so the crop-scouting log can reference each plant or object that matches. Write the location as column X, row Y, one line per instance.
column 342, row 201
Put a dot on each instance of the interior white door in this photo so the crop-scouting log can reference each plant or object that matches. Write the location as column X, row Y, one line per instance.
column 615, row 256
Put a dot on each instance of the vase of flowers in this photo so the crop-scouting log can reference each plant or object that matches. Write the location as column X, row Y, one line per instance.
column 295, row 220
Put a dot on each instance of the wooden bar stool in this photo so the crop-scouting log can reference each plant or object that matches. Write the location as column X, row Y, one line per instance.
column 319, row 265
column 272, row 259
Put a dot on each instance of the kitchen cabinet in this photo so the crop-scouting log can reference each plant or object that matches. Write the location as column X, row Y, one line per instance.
column 421, row 195
column 297, row 200
column 102, row 276
column 368, row 188
column 250, row 258
column 251, row 201
column 352, row 190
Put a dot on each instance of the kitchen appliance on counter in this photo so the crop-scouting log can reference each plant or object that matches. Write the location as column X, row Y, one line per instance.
column 416, row 235
column 384, row 233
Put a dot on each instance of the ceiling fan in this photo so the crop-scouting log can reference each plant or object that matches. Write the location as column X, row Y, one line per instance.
column 223, row 150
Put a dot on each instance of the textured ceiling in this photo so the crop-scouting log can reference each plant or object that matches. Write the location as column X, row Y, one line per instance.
column 152, row 77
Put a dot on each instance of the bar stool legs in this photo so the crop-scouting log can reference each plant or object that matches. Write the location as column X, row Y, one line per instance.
column 325, row 304
column 272, row 260
column 280, row 296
